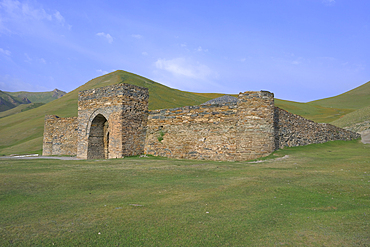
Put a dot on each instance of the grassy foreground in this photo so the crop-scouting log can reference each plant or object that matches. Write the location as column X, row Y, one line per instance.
column 317, row 196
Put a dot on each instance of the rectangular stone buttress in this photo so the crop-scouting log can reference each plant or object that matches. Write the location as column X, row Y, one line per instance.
column 255, row 125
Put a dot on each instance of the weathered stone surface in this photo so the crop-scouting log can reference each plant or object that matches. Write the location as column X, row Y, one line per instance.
column 192, row 132
column 221, row 100
column 60, row 136
column 114, row 122
column 111, row 123
column 255, row 132
column 231, row 131
column 292, row 130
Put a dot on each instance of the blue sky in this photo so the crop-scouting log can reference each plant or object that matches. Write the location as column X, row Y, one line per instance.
column 300, row 50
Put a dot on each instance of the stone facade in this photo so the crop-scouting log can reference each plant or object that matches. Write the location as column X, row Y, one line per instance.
column 230, row 131
column 60, row 135
column 193, row 132
column 114, row 122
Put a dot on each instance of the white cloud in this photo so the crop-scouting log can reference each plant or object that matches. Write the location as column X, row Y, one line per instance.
column 9, row 5
column 298, row 60
column 35, row 59
column 59, row 17
column 328, row 2
column 23, row 14
column 6, row 52
column 12, row 84
column 16, row 9
column 200, row 49
column 34, row 13
column 184, row 67
column 28, row 58
column 137, row 36
column 144, row 53
column 102, row 72
column 107, row 36
column 243, row 59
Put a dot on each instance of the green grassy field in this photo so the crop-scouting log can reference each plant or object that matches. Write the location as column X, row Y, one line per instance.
column 318, row 195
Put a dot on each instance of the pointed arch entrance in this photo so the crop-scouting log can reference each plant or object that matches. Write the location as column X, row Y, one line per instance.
column 98, row 140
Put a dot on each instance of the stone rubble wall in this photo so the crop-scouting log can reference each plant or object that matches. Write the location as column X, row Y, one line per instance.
column 193, row 132
column 293, row 130
column 60, row 136
column 230, row 131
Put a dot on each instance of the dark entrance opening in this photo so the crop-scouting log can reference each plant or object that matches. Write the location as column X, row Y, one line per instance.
column 98, row 141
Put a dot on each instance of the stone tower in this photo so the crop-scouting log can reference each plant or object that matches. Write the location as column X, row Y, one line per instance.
column 112, row 121
column 255, row 135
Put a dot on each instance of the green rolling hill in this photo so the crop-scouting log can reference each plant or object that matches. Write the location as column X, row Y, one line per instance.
column 8, row 101
column 313, row 112
column 39, row 97
column 355, row 99
column 358, row 120
column 345, row 110
column 23, row 132
column 355, row 102
column 20, row 108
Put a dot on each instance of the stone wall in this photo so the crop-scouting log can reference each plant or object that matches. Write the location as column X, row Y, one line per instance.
column 230, row 131
column 123, row 110
column 293, row 130
column 60, row 136
column 193, row 132
column 114, row 122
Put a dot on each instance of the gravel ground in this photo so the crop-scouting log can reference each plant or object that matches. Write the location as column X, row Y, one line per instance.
column 365, row 136
column 221, row 100
column 32, row 156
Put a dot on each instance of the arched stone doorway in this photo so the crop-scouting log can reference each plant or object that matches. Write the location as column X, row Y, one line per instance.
column 125, row 107
column 98, row 140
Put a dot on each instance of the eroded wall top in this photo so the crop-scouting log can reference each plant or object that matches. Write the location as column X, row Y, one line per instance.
column 121, row 89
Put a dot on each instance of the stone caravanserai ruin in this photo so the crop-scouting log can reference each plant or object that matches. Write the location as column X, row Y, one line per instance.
column 114, row 122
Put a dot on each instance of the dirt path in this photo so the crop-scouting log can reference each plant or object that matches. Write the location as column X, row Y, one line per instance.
column 38, row 157
column 365, row 136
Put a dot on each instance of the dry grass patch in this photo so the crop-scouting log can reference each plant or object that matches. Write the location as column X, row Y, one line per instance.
column 317, row 196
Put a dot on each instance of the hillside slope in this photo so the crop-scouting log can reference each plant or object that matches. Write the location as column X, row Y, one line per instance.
column 20, row 108
column 356, row 98
column 313, row 112
column 39, row 97
column 357, row 121
column 8, row 101
column 23, row 132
